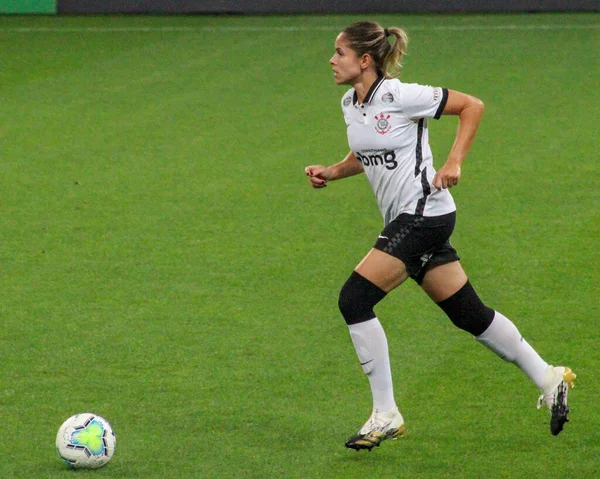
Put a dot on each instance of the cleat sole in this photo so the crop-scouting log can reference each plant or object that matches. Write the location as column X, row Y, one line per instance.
column 399, row 432
column 560, row 410
column 368, row 442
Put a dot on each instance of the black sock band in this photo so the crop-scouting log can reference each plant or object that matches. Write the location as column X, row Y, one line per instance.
column 467, row 311
column 358, row 297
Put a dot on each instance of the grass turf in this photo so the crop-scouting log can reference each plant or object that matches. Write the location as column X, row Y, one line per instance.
column 165, row 265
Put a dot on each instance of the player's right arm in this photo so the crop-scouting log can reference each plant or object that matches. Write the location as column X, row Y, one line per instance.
column 319, row 175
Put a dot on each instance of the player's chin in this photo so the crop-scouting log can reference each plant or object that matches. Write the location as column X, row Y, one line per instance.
column 339, row 80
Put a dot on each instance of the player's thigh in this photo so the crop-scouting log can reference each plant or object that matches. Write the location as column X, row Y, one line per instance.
column 382, row 269
column 441, row 282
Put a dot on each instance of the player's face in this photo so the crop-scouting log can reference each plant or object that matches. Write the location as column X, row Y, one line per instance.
column 345, row 62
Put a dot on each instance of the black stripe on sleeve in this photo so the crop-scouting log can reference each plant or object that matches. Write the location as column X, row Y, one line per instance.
column 440, row 109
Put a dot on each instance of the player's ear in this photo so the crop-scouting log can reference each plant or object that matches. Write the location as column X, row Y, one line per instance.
column 365, row 61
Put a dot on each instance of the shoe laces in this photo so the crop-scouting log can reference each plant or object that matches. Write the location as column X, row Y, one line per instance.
column 372, row 422
column 376, row 422
column 544, row 400
column 548, row 399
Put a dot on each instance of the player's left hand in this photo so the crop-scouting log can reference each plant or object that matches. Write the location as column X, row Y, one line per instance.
column 447, row 176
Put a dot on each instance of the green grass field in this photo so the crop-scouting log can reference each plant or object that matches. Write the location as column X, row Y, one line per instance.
column 164, row 263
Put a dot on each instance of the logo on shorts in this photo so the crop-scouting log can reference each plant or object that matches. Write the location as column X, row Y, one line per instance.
column 425, row 258
column 382, row 126
column 387, row 98
column 347, row 101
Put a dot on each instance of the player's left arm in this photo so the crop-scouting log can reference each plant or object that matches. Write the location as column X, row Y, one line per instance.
column 469, row 110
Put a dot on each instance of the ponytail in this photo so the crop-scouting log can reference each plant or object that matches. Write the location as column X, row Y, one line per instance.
column 371, row 38
column 392, row 63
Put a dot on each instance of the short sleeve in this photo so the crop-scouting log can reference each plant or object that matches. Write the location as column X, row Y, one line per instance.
column 421, row 101
column 345, row 104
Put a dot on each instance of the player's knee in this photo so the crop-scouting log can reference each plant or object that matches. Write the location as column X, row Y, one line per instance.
column 467, row 311
column 357, row 299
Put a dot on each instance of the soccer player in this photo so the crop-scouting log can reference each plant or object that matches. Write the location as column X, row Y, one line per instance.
column 388, row 134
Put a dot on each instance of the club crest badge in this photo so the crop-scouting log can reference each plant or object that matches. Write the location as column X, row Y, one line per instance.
column 383, row 125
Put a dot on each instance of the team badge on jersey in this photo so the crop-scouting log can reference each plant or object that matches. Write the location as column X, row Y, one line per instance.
column 383, row 125
column 387, row 98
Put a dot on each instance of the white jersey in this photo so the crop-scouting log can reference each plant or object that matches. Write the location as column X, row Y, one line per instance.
column 388, row 133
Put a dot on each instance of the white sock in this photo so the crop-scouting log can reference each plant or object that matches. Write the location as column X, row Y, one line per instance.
column 503, row 337
column 371, row 346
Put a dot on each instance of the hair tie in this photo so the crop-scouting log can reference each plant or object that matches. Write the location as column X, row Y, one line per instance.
column 386, row 32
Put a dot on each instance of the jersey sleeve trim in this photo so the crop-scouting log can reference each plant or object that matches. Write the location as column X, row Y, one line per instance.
column 440, row 109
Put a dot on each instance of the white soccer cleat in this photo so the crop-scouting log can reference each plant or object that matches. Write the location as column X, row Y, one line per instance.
column 558, row 381
column 379, row 427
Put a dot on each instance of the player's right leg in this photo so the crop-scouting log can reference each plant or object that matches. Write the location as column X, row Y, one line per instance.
column 498, row 333
column 373, row 278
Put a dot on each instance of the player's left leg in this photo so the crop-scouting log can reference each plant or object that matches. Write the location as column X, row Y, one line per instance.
column 449, row 287
column 376, row 275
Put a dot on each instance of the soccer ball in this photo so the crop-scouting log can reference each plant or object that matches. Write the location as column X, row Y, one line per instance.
column 86, row 441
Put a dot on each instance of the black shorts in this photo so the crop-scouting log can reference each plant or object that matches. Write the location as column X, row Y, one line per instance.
column 419, row 242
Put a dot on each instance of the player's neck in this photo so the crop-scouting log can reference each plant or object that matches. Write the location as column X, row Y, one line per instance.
column 363, row 84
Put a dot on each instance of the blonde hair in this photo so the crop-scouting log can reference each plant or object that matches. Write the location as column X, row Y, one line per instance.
column 371, row 38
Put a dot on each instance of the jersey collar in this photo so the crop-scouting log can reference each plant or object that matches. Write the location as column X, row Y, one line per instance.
column 374, row 87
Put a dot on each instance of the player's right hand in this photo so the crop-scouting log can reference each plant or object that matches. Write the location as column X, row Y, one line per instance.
column 318, row 175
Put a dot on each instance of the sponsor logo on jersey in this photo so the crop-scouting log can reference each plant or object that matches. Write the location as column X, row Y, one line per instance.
column 347, row 101
column 383, row 125
column 387, row 98
column 379, row 158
